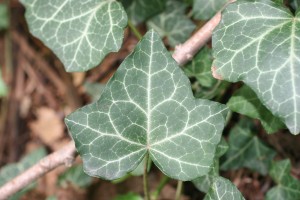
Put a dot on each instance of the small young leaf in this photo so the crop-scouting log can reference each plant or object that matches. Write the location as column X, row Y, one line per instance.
column 258, row 43
column 246, row 150
column 148, row 107
column 245, row 102
column 10, row 171
column 200, row 68
column 141, row 10
column 80, row 33
column 204, row 9
column 223, row 189
column 203, row 183
column 3, row 17
column 173, row 23
column 288, row 187
column 76, row 176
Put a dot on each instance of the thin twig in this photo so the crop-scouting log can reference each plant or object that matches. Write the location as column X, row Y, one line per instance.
column 65, row 156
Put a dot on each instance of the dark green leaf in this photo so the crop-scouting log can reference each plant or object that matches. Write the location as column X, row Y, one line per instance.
column 245, row 102
column 258, row 43
column 80, row 33
column 288, row 188
column 247, row 150
column 205, row 9
column 148, row 107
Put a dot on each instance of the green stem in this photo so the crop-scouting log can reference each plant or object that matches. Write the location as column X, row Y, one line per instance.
column 135, row 30
column 178, row 190
column 145, row 179
column 160, row 186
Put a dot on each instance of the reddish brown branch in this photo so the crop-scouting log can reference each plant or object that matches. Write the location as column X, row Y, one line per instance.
column 64, row 156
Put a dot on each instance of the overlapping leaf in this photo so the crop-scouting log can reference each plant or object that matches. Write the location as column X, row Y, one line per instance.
column 288, row 187
column 200, row 68
column 223, row 189
column 80, row 33
column 245, row 101
column 203, row 183
column 246, row 150
column 10, row 171
column 259, row 43
column 140, row 10
column 204, row 9
column 148, row 107
column 172, row 23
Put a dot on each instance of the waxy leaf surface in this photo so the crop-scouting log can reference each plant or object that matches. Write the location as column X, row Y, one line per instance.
column 80, row 33
column 259, row 43
column 223, row 189
column 148, row 107
column 288, row 187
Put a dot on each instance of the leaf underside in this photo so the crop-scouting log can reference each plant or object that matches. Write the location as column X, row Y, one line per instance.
column 259, row 43
column 80, row 33
column 148, row 106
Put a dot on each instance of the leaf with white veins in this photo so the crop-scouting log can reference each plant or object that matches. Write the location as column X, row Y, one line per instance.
column 80, row 33
column 148, row 107
column 259, row 43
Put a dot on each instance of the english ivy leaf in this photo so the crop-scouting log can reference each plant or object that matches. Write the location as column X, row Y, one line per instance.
column 295, row 4
column 76, row 176
column 223, row 189
column 247, row 150
column 257, row 43
column 200, row 68
column 173, row 23
column 203, row 183
column 80, row 33
column 245, row 102
column 148, row 107
column 10, row 171
column 141, row 10
column 4, row 22
column 94, row 90
column 203, row 9
column 288, row 187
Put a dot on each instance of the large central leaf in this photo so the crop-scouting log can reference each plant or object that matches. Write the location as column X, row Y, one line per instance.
column 148, row 106
column 259, row 43
column 80, row 33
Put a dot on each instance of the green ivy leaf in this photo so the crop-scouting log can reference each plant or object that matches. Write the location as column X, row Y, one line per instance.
column 257, row 43
column 223, row 189
column 94, row 90
column 247, row 150
column 148, row 106
column 200, row 68
column 204, row 9
column 173, row 23
column 245, row 102
column 76, row 176
column 141, row 10
column 4, row 22
column 288, row 187
column 80, row 33
column 295, row 4
column 203, row 183
column 10, row 171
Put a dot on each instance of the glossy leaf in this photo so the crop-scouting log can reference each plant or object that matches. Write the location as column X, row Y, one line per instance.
column 172, row 23
column 203, row 183
column 10, row 171
column 204, row 9
column 200, row 68
column 80, row 33
column 247, row 150
column 258, row 43
column 148, row 107
column 141, row 10
column 245, row 102
column 288, row 188
column 223, row 189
